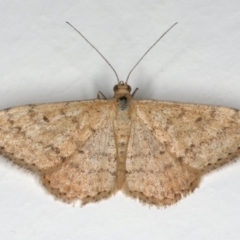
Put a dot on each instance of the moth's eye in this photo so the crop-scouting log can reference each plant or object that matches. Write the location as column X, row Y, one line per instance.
column 129, row 88
column 115, row 88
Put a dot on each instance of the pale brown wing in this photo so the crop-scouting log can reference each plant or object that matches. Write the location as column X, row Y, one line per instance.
column 71, row 144
column 89, row 173
column 172, row 144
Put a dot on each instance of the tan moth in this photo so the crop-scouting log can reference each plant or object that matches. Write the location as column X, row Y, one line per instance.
column 152, row 150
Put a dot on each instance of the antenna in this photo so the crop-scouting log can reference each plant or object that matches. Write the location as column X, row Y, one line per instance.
column 96, row 50
column 148, row 51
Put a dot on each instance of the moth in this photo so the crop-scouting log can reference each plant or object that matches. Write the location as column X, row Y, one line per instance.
column 154, row 151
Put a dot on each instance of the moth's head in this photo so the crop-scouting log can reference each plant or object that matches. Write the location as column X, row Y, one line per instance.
column 122, row 89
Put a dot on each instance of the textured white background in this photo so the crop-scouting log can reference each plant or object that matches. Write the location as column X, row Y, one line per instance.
column 43, row 60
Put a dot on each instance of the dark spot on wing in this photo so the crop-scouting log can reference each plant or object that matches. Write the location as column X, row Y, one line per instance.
column 199, row 119
column 92, row 129
column 45, row 119
column 55, row 149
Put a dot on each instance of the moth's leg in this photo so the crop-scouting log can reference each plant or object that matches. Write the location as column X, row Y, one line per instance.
column 100, row 95
column 134, row 92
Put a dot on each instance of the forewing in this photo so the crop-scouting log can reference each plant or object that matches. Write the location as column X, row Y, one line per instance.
column 201, row 136
column 43, row 136
column 172, row 144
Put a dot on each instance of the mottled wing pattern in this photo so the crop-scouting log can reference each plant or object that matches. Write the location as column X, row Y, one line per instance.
column 172, row 144
column 70, row 144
